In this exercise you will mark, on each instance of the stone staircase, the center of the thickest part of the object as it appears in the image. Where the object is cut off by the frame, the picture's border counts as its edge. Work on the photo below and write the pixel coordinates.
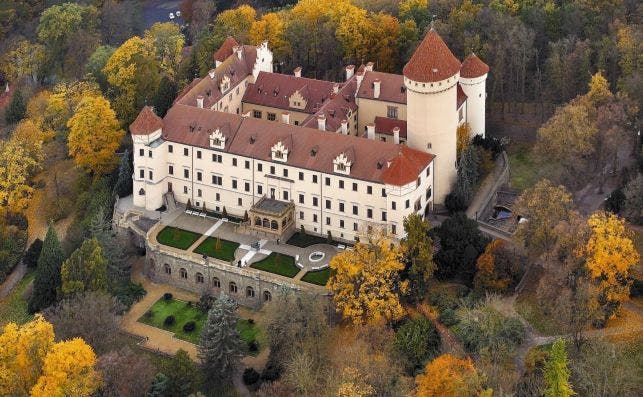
(169, 201)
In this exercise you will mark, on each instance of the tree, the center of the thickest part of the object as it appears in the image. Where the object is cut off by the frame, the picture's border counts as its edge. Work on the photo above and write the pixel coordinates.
(48, 278)
(85, 269)
(168, 41)
(91, 151)
(220, 347)
(182, 375)
(123, 186)
(353, 384)
(610, 253)
(158, 386)
(125, 374)
(449, 376)
(31, 255)
(25, 59)
(418, 341)
(236, 22)
(556, 372)
(464, 137)
(633, 205)
(417, 249)
(271, 28)
(543, 206)
(165, 95)
(416, 10)
(96, 63)
(365, 282)
(90, 315)
(16, 109)
(63, 101)
(497, 268)
(468, 174)
(33, 364)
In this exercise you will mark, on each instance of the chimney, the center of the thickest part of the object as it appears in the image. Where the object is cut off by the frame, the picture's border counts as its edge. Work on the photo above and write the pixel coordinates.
(396, 135)
(239, 50)
(345, 127)
(246, 114)
(335, 88)
(297, 71)
(369, 67)
(217, 63)
(211, 73)
(285, 118)
(360, 77)
(321, 122)
(199, 101)
(376, 88)
(370, 131)
(350, 71)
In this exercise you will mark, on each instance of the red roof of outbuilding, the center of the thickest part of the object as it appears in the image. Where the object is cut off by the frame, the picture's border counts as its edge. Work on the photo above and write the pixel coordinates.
(406, 166)
(146, 122)
(226, 49)
(432, 61)
(473, 67)
(385, 125)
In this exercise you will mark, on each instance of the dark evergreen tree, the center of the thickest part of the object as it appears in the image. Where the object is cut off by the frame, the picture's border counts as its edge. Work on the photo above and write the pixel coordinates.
(468, 174)
(123, 186)
(159, 386)
(118, 269)
(165, 95)
(16, 109)
(220, 347)
(31, 255)
(47, 279)
(418, 341)
(418, 257)
(182, 375)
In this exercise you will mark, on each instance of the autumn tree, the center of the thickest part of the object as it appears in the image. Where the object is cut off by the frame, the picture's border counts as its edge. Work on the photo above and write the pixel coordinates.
(33, 364)
(610, 253)
(271, 28)
(556, 372)
(353, 384)
(497, 269)
(16, 109)
(463, 137)
(417, 249)
(62, 104)
(168, 42)
(125, 373)
(416, 10)
(365, 281)
(24, 59)
(543, 207)
(95, 152)
(236, 22)
(85, 269)
(47, 279)
(449, 376)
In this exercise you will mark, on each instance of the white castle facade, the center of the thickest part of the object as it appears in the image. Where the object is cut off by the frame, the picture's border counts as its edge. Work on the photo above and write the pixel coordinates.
(342, 157)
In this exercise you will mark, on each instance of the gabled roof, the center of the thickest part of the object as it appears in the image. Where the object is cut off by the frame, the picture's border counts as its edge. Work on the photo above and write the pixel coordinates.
(226, 49)
(146, 122)
(473, 67)
(385, 125)
(405, 167)
(461, 96)
(432, 60)
(392, 87)
(336, 109)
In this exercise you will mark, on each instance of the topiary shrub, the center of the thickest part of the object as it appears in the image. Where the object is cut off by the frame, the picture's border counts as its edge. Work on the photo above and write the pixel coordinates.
(169, 320)
(253, 346)
(250, 376)
(149, 314)
(167, 296)
(189, 326)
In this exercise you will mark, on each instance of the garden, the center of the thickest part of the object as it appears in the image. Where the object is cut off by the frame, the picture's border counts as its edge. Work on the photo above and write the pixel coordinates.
(186, 320)
(303, 240)
(177, 238)
(318, 277)
(219, 248)
(283, 265)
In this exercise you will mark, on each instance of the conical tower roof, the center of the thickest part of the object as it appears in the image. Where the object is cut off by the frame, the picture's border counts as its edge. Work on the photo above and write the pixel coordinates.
(146, 122)
(473, 67)
(432, 61)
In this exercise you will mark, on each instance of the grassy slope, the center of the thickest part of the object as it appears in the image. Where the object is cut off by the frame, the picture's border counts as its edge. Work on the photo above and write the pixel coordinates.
(522, 166)
(13, 308)
(286, 266)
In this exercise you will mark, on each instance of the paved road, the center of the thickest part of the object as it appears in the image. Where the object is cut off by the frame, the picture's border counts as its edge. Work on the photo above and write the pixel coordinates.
(159, 11)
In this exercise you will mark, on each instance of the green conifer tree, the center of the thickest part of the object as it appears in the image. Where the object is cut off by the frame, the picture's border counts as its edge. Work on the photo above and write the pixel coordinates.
(16, 109)
(123, 186)
(85, 269)
(556, 373)
(47, 279)
(165, 95)
(159, 386)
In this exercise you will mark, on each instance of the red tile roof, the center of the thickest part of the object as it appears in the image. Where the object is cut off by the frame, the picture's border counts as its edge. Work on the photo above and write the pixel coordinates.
(146, 122)
(274, 90)
(432, 61)
(391, 87)
(337, 108)
(225, 50)
(461, 96)
(385, 125)
(312, 149)
(473, 67)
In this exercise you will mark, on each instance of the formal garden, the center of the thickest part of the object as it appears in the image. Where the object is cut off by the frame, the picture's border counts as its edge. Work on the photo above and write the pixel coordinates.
(283, 265)
(216, 247)
(303, 240)
(186, 321)
(177, 238)
(318, 277)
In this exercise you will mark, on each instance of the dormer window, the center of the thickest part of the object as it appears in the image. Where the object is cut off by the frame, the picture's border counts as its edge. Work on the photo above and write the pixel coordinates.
(279, 152)
(225, 84)
(342, 165)
(217, 139)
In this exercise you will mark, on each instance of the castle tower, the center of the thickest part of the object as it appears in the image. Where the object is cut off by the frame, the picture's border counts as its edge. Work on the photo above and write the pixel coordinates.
(431, 78)
(149, 160)
(473, 77)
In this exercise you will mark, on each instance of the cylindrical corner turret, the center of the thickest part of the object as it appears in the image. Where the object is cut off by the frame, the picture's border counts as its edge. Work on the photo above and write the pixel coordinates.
(473, 78)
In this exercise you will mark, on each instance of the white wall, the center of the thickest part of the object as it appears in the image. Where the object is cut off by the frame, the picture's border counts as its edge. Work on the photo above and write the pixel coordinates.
(477, 96)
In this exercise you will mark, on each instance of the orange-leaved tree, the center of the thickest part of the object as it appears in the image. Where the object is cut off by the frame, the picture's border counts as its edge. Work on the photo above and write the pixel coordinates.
(449, 376)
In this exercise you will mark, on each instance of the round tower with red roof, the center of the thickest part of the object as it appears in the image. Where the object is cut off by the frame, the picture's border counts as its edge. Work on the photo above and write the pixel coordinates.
(473, 79)
(431, 78)
(149, 160)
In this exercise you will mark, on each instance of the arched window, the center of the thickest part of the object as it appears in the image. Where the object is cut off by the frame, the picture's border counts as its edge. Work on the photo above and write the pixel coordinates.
(199, 278)
(267, 296)
(216, 283)
(141, 192)
(274, 225)
(283, 223)
(266, 223)
(183, 273)
(257, 221)
(167, 268)
(233, 287)
(250, 292)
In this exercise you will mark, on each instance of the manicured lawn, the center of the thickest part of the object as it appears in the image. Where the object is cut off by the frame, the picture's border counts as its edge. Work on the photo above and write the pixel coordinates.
(304, 240)
(225, 250)
(13, 308)
(283, 265)
(319, 277)
(177, 238)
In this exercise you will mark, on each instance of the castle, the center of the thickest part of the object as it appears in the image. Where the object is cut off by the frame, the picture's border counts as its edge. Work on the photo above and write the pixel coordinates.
(289, 152)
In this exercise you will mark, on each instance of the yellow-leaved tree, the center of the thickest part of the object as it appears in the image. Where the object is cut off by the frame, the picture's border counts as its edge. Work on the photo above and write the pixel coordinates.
(449, 376)
(365, 281)
(463, 137)
(94, 135)
(32, 364)
(610, 253)
(237, 22)
(271, 28)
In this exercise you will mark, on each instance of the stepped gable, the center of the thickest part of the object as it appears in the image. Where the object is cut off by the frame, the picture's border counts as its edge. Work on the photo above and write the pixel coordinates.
(392, 87)
(225, 50)
(405, 167)
(432, 61)
(146, 122)
(473, 67)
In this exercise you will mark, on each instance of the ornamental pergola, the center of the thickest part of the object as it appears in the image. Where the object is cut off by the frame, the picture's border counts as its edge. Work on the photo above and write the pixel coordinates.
(272, 216)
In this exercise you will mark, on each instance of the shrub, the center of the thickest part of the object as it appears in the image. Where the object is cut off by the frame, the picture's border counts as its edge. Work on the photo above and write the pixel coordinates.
(251, 321)
(17, 219)
(448, 318)
(418, 342)
(167, 296)
(149, 314)
(189, 326)
(250, 376)
(454, 203)
(169, 320)
(129, 293)
(253, 346)
(615, 201)
(205, 302)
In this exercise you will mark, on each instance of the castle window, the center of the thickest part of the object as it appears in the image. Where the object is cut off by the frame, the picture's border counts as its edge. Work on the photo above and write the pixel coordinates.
(341, 223)
(185, 190)
(170, 170)
(170, 149)
(216, 283)
(259, 189)
(199, 278)
(369, 213)
(279, 152)
(369, 189)
(199, 176)
(183, 273)
(341, 207)
(141, 152)
(250, 292)
(383, 216)
(186, 152)
(301, 176)
(341, 184)
(394, 229)
(428, 171)
(354, 186)
(383, 192)
(198, 154)
(141, 174)
(393, 205)
(391, 112)
(186, 173)
(167, 269)
(267, 297)
(247, 165)
(233, 287)
(259, 167)
(272, 116)
(256, 114)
